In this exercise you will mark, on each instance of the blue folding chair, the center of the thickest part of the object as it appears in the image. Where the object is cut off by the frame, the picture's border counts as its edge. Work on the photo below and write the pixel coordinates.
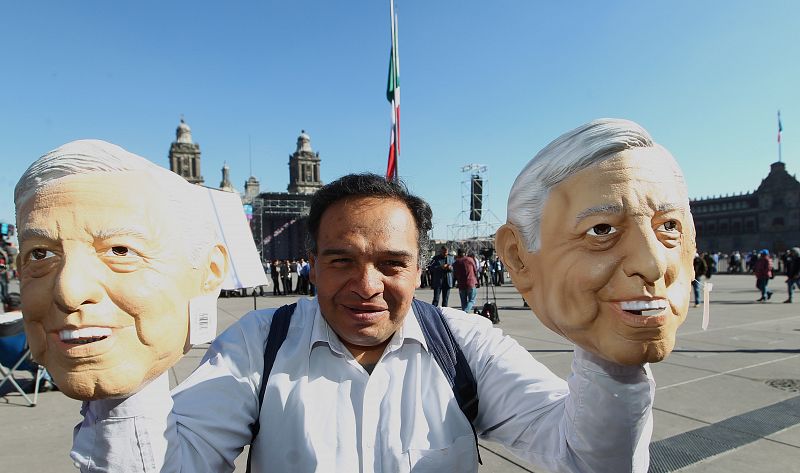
(15, 356)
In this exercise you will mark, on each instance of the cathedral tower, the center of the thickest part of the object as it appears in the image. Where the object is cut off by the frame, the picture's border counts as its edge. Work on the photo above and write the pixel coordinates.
(304, 167)
(184, 155)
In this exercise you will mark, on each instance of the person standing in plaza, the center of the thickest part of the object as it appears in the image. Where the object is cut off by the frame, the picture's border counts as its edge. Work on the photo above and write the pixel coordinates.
(792, 272)
(302, 276)
(763, 272)
(274, 273)
(700, 269)
(466, 274)
(286, 278)
(484, 270)
(441, 271)
(711, 266)
(4, 265)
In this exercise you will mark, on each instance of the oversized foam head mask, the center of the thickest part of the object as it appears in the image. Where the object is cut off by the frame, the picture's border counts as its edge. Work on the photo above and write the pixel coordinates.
(600, 241)
(112, 249)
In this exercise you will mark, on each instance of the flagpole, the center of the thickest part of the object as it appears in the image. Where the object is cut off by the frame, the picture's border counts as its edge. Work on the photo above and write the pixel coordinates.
(780, 129)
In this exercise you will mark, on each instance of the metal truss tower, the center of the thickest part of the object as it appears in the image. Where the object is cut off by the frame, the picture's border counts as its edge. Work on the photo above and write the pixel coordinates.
(476, 233)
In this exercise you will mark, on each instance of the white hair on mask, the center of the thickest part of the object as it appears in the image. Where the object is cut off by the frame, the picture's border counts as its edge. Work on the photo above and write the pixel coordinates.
(186, 203)
(569, 154)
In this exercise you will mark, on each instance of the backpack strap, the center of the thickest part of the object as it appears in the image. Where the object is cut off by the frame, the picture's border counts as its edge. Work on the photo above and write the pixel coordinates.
(278, 329)
(441, 343)
(448, 355)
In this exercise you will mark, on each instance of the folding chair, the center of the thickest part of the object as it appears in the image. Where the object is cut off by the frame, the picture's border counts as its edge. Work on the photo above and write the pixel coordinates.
(16, 356)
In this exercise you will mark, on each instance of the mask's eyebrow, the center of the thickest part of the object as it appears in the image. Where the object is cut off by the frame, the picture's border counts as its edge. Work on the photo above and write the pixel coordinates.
(130, 231)
(42, 233)
(670, 206)
(599, 209)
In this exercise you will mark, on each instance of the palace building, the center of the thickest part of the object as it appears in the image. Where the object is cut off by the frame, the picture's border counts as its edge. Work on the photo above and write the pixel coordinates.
(768, 217)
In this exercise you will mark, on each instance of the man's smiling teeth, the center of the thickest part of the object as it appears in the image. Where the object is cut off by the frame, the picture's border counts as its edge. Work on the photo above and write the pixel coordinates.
(639, 306)
(84, 335)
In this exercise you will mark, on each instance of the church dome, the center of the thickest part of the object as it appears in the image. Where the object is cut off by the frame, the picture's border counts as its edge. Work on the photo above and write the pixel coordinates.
(304, 142)
(183, 133)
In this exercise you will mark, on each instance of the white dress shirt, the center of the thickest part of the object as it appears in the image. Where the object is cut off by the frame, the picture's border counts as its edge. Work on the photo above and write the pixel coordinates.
(323, 412)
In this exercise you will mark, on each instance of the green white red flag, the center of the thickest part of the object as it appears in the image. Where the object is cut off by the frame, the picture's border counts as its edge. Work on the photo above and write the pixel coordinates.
(393, 96)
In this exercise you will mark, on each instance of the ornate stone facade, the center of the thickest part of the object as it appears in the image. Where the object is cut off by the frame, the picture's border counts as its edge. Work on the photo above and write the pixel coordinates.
(767, 218)
(184, 155)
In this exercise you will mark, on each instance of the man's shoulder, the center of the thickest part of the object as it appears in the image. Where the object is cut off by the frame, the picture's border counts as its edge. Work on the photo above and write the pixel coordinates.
(468, 328)
(257, 323)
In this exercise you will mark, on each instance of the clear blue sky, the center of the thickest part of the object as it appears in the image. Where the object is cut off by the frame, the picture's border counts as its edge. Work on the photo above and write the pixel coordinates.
(482, 82)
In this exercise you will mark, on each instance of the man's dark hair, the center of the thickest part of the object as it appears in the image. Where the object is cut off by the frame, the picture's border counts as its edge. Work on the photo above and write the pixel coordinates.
(460, 252)
(369, 185)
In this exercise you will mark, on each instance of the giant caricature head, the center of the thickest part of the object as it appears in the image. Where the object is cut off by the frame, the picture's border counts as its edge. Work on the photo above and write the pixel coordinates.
(600, 241)
(112, 248)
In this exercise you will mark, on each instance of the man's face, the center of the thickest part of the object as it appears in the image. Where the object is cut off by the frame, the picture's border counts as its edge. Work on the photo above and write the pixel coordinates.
(615, 264)
(105, 283)
(366, 268)
(443, 251)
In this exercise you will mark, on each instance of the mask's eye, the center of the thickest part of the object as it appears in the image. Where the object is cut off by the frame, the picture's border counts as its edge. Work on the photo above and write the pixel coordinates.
(669, 226)
(39, 254)
(121, 251)
(601, 229)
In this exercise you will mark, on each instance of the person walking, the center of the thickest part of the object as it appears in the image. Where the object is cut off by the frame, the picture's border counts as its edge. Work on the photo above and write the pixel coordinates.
(763, 272)
(792, 272)
(466, 274)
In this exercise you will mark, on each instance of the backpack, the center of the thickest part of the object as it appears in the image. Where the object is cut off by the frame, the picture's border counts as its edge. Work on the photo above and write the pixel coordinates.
(441, 343)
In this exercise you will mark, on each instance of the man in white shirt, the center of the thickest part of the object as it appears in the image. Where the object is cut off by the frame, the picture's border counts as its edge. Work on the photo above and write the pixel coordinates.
(354, 386)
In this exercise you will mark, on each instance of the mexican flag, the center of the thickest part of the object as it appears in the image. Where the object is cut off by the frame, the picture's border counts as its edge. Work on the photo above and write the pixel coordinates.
(393, 96)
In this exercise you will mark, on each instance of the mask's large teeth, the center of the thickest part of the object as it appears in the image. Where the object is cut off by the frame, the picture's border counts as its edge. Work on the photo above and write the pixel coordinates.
(643, 305)
(86, 332)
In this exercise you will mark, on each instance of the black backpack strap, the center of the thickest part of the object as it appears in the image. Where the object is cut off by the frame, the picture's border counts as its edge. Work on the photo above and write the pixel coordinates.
(448, 355)
(278, 329)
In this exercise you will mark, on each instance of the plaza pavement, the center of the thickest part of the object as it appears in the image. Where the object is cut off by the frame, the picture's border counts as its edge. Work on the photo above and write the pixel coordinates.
(716, 409)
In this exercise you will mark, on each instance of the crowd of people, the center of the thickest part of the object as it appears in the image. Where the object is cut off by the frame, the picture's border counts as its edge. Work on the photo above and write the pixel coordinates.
(461, 269)
(763, 264)
(288, 277)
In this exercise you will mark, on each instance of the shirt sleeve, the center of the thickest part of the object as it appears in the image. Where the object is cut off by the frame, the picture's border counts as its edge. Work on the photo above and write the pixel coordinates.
(202, 427)
(124, 434)
(600, 420)
(217, 404)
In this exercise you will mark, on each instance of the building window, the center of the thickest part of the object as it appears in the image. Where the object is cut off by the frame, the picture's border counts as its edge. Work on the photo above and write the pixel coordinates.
(777, 221)
(750, 226)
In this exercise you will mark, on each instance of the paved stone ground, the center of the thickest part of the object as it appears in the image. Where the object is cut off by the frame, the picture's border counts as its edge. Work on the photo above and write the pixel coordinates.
(716, 408)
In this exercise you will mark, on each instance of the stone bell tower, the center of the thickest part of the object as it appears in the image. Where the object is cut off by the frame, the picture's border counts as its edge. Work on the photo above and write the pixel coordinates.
(304, 167)
(184, 155)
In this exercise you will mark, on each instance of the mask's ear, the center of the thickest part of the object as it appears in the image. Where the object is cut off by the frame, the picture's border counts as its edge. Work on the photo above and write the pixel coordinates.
(216, 269)
(512, 250)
